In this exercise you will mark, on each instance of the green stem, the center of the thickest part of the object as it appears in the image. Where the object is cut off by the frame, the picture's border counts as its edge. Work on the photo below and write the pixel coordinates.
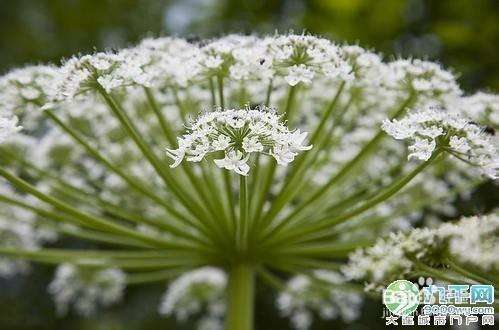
(159, 115)
(287, 115)
(132, 182)
(240, 297)
(243, 211)
(315, 198)
(469, 274)
(269, 93)
(320, 224)
(203, 192)
(220, 81)
(212, 92)
(287, 191)
(333, 249)
(273, 281)
(94, 221)
(155, 276)
(191, 204)
(268, 172)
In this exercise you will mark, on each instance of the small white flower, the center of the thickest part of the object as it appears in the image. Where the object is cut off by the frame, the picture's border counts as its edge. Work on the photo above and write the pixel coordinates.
(299, 74)
(422, 149)
(282, 155)
(296, 141)
(235, 161)
(251, 144)
(222, 143)
(459, 144)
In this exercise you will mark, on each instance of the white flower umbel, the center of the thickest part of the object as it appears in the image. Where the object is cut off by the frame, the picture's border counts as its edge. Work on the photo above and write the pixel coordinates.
(321, 294)
(109, 70)
(474, 241)
(27, 87)
(425, 78)
(238, 134)
(195, 291)
(19, 230)
(469, 241)
(86, 289)
(482, 107)
(301, 58)
(432, 128)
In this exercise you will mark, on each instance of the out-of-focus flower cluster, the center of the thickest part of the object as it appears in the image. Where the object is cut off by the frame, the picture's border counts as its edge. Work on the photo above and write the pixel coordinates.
(471, 241)
(319, 293)
(196, 291)
(85, 289)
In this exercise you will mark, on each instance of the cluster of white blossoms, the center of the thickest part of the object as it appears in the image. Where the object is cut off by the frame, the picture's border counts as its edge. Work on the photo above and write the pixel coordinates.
(85, 289)
(432, 128)
(422, 77)
(238, 134)
(319, 293)
(23, 91)
(26, 232)
(471, 241)
(196, 291)
(482, 107)
(474, 241)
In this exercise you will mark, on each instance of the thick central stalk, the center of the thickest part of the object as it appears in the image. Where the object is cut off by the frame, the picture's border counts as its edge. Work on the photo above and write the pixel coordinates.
(240, 297)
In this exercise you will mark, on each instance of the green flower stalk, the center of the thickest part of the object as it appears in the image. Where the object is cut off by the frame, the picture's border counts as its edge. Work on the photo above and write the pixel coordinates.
(278, 166)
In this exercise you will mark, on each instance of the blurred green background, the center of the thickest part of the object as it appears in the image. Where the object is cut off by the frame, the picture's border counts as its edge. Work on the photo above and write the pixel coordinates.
(461, 34)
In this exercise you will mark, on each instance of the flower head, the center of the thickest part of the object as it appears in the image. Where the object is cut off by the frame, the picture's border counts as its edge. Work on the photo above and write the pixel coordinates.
(28, 86)
(238, 134)
(432, 127)
(320, 293)
(194, 290)
(85, 289)
(470, 241)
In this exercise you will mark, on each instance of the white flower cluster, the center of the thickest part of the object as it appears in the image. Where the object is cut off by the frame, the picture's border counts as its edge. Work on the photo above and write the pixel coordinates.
(300, 58)
(15, 235)
(29, 85)
(238, 134)
(19, 229)
(320, 293)
(195, 291)
(85, 289)
(422, 77)
(174, 62)
(470, 241)
(474, 241)
(482, 107)
(109, 70)
(379, 264)
(463, 138)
